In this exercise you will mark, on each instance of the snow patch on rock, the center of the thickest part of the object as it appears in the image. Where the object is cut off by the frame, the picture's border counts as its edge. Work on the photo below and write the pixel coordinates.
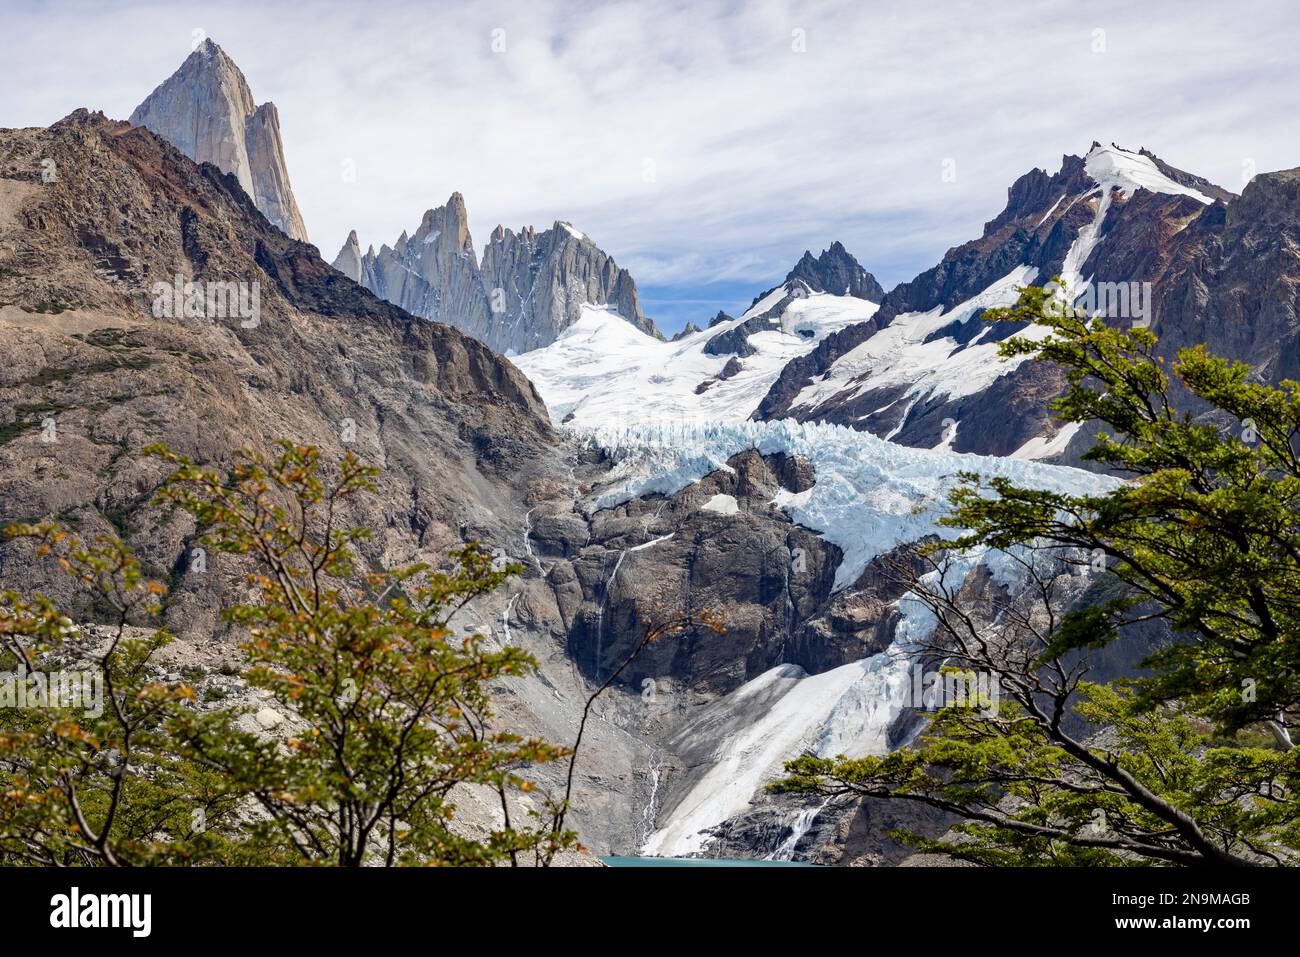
(722, 504)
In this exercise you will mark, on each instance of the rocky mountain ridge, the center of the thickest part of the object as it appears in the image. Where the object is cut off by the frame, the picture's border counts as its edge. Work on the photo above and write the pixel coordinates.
(96, 362)
(528, 287)
(834, 271)
(784, 532)
(1112, 217)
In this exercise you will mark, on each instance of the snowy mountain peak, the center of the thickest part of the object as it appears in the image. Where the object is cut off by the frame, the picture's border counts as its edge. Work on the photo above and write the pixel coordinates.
(837, 272)
(927, 370)
(601, 370)
(834, 271)
(1114, 168)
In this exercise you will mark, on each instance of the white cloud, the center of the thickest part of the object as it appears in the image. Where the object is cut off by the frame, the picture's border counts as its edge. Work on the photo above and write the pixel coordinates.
(757, 151)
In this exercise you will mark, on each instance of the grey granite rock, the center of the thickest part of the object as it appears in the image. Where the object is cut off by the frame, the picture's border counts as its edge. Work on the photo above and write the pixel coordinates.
(528, 288)
(206, 110)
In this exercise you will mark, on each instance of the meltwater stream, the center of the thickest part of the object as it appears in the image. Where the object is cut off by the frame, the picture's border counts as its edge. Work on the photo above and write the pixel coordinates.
(801, 825)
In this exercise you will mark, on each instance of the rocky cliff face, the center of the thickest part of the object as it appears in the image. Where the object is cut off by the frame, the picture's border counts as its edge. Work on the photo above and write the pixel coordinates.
(1232, 279)
(94, 371)
(770, 580)
(206, 110)
(538, 283)
(836, 271)
(529, 287)
(350, 260)
(92, 340)
(433, 274)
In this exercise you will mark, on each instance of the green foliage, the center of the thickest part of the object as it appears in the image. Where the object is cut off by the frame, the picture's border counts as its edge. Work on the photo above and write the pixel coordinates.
(389, 709)
(1029, 798)
(94, 778)
(1203, 535)
(1208, 528)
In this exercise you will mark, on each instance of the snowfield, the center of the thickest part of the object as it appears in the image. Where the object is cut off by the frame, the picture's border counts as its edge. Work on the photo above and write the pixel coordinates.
(1113, 167)
(603, 371)
(899, 354)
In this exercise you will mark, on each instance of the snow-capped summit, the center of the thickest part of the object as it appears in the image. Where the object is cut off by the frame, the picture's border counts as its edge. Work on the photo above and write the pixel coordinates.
(1114, 168)
(834, 271)
(541, 282)
(837, 272)
(206, 110)
(926, 369)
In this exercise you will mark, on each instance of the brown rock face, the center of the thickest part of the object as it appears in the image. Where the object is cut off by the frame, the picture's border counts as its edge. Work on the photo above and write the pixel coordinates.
(100, 364)
(206, 110)
(767, 578)
(90, 376)
(1233, 279)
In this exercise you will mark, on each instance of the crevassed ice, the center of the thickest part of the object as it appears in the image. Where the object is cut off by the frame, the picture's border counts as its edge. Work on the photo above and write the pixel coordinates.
(869, 496)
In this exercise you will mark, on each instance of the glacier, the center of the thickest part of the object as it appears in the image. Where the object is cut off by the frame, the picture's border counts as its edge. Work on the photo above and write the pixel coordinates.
(667, 414)
(848, 711)
(870, 495)
(603, 371)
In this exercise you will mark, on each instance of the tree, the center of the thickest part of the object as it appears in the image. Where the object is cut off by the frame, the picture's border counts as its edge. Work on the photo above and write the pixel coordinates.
(395, 710)
(89, 774)
(390, 711)
(1202, 537)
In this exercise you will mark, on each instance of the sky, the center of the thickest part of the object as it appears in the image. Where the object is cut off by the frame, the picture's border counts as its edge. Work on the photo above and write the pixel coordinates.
(704, 145)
